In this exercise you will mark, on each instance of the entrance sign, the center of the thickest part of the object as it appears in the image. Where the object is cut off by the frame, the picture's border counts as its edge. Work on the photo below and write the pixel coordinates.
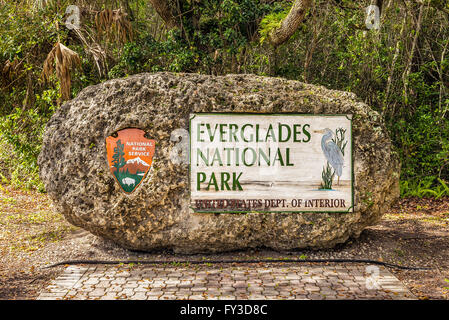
(129, 157)
(271, 163)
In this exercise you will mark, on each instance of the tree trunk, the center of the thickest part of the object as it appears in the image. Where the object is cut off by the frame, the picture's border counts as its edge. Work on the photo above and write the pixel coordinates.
(395, 58)
(167, 12)
(406, 74)
(379, 4)
(127, 8)
(290, 23)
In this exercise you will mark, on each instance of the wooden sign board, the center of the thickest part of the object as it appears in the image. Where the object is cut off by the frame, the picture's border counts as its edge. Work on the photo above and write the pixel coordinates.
(271, 163)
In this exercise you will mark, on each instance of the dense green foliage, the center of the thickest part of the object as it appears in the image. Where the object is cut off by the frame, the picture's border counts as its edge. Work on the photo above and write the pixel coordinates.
(400, 70)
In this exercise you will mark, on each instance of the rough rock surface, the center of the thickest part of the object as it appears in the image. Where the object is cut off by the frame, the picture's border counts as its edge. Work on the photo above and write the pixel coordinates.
(74, 167)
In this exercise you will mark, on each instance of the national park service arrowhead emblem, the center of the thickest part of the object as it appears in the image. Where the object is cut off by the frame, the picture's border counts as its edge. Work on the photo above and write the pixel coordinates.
(130, 155)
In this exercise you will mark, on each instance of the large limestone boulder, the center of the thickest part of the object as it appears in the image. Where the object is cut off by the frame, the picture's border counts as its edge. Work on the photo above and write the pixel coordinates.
(73, 164)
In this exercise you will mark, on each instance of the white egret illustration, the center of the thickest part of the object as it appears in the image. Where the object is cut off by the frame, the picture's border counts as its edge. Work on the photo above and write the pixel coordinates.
(333, 154)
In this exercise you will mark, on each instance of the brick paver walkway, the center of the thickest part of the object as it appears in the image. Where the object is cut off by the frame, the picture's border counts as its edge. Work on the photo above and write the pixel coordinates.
(195, 282)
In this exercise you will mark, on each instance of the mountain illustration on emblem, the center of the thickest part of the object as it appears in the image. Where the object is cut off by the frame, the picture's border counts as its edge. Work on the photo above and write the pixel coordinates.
(134, 166)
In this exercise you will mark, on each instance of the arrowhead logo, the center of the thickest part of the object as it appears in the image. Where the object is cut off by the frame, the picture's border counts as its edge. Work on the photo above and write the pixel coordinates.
(130, 155)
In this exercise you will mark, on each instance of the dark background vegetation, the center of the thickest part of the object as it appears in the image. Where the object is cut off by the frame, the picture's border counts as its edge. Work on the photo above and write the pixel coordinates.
(401, 70)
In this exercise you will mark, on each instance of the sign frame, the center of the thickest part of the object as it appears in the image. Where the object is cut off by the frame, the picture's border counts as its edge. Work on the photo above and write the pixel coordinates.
(244, 211)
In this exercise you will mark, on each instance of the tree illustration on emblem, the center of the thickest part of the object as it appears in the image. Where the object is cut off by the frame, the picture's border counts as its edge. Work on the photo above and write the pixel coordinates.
(118, 160)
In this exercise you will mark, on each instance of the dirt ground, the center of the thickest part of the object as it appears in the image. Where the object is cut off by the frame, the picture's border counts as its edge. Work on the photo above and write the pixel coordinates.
(33, 235)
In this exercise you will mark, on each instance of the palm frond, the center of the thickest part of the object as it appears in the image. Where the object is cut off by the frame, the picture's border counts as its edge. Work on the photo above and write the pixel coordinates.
(62, 60)
(115, 24)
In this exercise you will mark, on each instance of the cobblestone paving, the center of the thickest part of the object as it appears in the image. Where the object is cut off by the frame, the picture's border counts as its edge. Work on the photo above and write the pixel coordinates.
(199, 282)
